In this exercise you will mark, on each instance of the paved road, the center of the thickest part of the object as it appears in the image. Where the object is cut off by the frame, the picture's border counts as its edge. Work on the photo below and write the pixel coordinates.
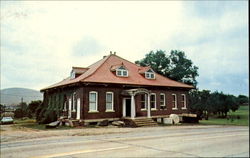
(190, 141)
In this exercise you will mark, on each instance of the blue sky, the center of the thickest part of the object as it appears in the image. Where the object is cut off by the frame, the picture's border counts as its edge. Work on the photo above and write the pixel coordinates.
(41, 41)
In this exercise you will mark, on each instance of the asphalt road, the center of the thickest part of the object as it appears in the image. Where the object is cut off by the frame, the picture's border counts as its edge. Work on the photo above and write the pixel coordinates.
(190, 141)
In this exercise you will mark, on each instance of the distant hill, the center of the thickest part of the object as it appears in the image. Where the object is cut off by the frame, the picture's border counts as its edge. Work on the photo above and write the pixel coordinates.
(12, 96)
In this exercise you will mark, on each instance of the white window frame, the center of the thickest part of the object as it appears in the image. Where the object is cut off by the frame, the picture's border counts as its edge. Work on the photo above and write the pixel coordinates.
(112, 103)
(154, 101)
(145, 101)
(122, 72)
(96, 102)
(184, 101)
(148, 75)
(164, 104)
(175, 102)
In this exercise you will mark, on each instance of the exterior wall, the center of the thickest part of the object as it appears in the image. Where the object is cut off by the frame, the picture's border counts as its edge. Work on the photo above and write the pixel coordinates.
(168, 101)
(82, 92)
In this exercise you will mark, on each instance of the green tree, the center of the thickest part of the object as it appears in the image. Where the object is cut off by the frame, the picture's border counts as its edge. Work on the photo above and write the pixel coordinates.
(242, 99)
(2, 108)
(175, 66)
(32, 107)
(158, 61)
(182, 68)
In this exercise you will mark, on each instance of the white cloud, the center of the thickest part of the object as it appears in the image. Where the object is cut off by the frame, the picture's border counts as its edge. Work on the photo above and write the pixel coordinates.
(40, 38)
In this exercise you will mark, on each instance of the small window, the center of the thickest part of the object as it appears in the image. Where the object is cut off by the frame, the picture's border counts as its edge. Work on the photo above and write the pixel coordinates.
(183, 101)
(174, 102)
(122, 72)
(109, 101)
(150, 74)
(72, 74)
(93, 99)
(153, 101)
(143, 102)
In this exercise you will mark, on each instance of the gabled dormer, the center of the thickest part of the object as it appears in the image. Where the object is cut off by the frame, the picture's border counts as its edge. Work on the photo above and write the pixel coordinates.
(120, 70)
(147, 72)
(150, 74)
(77, 71)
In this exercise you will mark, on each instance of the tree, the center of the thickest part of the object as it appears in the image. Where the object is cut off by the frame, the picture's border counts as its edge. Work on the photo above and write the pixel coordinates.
(2, 108)
(32, 107)
(158, 61)
(182, 69)
(242, 99)
(175, 66)
(22, 111)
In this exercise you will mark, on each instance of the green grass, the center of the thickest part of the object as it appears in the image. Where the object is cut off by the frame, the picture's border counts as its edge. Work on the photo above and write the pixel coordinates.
(243, 118)
(32, 124)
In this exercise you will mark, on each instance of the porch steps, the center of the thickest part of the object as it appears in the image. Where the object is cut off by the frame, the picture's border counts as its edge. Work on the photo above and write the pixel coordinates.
(144, 122)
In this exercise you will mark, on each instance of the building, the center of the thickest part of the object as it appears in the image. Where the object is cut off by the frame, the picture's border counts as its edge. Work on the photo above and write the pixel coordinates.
(114, 88)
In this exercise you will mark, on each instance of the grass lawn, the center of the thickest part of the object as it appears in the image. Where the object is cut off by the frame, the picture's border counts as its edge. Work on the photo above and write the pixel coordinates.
(31, 123)
(243, 118)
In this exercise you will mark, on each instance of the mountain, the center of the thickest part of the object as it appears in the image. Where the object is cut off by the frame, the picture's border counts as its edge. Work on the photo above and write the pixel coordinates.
(13, 96)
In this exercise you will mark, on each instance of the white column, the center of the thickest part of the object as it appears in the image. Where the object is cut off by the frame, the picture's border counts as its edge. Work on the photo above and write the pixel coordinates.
(78, 114)
(132, 106)
(124, 108)
(149, 107)
(69, 116)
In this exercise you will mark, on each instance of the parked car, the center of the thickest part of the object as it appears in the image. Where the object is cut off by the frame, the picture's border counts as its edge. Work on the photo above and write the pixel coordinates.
(7, 120)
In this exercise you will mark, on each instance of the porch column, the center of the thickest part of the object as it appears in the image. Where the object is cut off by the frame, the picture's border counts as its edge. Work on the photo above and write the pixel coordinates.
(132, 106)
(149, 107)
(123, 107)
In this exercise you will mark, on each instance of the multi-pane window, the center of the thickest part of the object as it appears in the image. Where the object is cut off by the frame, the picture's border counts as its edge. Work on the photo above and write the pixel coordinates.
(93, 99)
(162, 101)
(174, 101)
(153, 101)
(109, 101)
(122, 71)
(183, 101)
(143, 102)
(150, 74)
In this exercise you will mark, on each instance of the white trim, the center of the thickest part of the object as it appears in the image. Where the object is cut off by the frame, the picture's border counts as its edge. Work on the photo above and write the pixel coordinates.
(69, 111)
(184, 102)
(112, 102)
(96, 101)
(148, 75)
(164, 104)
(122, 71)
(175, 102)
(154, 102)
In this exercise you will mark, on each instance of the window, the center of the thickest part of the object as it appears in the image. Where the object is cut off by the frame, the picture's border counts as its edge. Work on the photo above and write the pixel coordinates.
(162, 101)
(72, 74)
(122, 72)
(109, 101)
(183, 101)
(174, 102)
(93, 100)
(150, 74)
(153, 101)
(143, 102)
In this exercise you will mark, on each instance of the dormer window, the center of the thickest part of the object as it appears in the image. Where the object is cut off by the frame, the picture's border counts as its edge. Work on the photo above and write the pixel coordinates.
(150, 74)
(122, 71)
(72, 74)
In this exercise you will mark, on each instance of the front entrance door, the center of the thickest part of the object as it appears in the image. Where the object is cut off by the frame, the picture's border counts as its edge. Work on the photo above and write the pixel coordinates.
(128, 107)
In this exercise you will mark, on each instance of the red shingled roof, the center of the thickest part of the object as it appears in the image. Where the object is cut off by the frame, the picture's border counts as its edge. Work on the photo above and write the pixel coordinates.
(100, 72)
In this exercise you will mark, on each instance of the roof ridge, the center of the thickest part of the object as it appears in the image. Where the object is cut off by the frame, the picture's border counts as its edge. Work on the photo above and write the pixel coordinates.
(97, 67)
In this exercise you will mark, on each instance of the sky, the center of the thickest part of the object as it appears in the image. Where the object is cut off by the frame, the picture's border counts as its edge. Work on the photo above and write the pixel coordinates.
(41, 41)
